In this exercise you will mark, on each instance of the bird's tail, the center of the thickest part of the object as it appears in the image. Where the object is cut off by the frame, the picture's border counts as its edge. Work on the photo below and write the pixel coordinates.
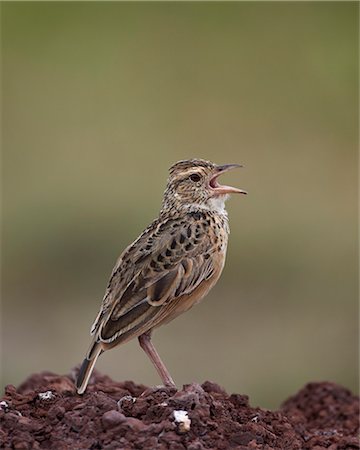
(87, 366)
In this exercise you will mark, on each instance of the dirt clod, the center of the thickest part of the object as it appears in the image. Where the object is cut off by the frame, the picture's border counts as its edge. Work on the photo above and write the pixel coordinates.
(125, 416)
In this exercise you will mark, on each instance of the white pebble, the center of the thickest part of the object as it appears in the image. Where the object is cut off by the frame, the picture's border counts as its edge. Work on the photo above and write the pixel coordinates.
(48, 395)
(182, 418)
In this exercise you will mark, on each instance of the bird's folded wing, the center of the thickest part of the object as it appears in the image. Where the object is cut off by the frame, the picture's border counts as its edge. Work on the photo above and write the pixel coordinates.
(176, 265)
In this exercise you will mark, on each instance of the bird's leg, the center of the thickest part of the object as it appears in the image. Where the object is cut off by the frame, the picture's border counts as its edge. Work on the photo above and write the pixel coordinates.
(150, 350)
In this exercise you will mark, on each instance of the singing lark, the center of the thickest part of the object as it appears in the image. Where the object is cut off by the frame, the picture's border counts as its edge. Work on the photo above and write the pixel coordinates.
(169, 268)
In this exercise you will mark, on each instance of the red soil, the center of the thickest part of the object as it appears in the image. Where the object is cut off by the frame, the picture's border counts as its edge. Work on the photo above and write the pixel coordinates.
(114, 415)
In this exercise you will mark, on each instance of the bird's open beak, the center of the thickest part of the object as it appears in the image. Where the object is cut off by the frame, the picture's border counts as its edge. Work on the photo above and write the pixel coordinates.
(221, 189)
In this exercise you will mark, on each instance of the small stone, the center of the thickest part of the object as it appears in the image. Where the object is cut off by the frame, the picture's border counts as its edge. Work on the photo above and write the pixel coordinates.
(135, 424)
(48, 395)
(10, 390)
(183, 421)
(213, 388)
(240, 400)
(112, 418)
(4, 406)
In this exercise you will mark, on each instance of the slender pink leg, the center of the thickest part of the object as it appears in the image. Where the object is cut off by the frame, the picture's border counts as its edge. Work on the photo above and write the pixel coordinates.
(149, 349)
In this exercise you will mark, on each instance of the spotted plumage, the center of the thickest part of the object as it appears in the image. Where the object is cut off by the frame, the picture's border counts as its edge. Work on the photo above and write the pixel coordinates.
(170, 267)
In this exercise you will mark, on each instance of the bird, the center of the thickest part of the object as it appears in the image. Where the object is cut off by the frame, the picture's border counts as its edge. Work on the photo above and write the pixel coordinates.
(169, 268)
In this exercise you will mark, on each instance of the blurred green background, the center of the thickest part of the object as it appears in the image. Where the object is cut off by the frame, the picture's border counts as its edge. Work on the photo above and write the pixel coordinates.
(100, 98)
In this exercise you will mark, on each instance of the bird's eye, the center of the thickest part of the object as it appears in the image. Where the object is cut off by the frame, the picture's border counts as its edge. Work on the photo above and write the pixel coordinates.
(195, 177)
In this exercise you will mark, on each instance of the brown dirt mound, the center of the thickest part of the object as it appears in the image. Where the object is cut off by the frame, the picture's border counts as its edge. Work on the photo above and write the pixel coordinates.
(46, 413)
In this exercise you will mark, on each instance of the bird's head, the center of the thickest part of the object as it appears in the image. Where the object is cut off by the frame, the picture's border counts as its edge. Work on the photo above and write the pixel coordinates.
(194, 183)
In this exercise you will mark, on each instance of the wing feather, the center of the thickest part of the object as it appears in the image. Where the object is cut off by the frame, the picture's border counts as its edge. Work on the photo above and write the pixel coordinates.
(139, 294)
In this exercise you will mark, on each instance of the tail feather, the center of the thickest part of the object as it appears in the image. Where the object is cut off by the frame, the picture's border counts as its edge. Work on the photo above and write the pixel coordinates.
(87, 367)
